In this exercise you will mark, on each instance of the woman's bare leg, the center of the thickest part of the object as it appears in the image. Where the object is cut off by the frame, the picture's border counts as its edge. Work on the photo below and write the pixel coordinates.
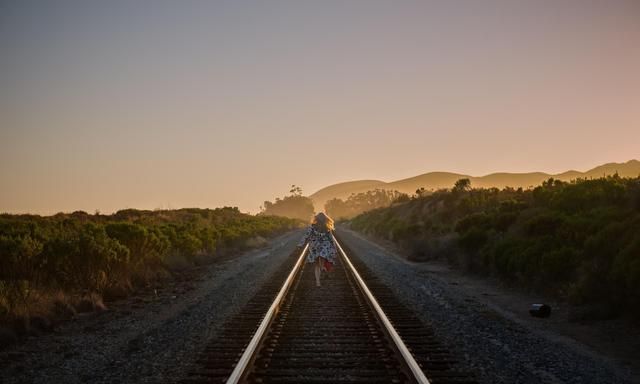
(318, 271)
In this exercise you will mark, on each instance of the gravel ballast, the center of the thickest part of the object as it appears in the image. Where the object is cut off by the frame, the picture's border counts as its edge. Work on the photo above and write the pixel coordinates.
(493, 347)
(149, 338)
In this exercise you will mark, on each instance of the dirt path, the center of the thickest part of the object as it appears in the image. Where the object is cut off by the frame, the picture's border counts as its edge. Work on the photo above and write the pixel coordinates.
(490, 326)
(152, 337)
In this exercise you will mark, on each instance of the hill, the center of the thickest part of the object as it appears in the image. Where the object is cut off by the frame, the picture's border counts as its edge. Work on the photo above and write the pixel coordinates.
(437, 180)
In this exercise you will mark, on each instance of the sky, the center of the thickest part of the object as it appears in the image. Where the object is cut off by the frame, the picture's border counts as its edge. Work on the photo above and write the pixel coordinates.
(106, 105)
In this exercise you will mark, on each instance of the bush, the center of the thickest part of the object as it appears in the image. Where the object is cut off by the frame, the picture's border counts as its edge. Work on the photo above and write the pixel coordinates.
(577, 240)
(86, 254)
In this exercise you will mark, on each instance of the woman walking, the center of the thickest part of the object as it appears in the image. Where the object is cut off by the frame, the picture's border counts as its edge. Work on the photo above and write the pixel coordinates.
(322, 249)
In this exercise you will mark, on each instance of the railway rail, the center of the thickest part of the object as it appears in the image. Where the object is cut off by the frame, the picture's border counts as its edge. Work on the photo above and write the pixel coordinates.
(352, 329)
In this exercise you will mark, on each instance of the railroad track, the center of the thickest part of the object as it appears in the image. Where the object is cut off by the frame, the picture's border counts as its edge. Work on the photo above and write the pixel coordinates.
(352, 329)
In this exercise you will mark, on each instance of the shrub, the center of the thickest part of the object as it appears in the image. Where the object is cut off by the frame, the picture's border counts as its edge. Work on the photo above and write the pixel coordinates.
(579, 240)
(86, 254)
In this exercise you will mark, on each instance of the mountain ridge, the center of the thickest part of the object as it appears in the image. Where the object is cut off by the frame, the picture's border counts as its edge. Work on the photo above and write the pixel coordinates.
(441, 179)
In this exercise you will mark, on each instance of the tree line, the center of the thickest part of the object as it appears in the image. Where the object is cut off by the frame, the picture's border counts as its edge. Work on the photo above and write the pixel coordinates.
(80, 252)
(362, 202)
(294, 205)
(577, 240)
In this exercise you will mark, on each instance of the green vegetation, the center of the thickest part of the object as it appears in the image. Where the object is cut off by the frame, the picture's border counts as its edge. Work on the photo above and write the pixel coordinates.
(294, 206)
(437, 180)
(68, 254)
(578, 240)
(359, 203)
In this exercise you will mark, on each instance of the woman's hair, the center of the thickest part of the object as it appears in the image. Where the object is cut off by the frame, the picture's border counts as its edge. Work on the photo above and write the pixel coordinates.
(322, 222)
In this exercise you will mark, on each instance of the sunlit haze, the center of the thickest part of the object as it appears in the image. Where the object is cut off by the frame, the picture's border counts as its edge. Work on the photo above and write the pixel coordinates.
(106, 105)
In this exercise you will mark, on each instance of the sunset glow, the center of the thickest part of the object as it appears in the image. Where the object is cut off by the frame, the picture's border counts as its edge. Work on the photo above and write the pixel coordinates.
(106, 105)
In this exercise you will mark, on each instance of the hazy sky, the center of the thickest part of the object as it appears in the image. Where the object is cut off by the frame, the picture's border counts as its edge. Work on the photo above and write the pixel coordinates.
(151, 104)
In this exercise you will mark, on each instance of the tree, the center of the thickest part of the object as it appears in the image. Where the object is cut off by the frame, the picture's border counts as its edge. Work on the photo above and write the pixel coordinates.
(295, 190)
(462, 185)
(294, 206)
(362, 202)
(338, 209)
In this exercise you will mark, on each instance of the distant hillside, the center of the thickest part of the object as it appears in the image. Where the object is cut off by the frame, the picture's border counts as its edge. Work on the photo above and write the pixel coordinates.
(436, 180)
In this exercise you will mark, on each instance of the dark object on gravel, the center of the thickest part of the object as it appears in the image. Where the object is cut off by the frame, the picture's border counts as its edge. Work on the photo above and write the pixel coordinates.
(540, 310)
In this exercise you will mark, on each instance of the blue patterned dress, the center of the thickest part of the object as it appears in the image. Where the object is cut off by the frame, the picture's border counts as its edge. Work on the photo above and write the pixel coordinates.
(320, 245)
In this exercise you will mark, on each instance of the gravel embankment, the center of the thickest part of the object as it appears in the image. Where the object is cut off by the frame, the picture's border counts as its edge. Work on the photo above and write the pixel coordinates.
(492, 346)
(149, 338)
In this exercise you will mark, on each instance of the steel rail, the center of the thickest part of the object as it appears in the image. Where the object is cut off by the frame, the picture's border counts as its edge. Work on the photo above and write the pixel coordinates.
(248, 355)
(418, 375)
(253, 345)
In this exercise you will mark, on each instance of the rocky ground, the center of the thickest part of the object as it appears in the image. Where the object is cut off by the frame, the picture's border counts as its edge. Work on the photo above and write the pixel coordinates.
(489, 328)
(152, 337)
